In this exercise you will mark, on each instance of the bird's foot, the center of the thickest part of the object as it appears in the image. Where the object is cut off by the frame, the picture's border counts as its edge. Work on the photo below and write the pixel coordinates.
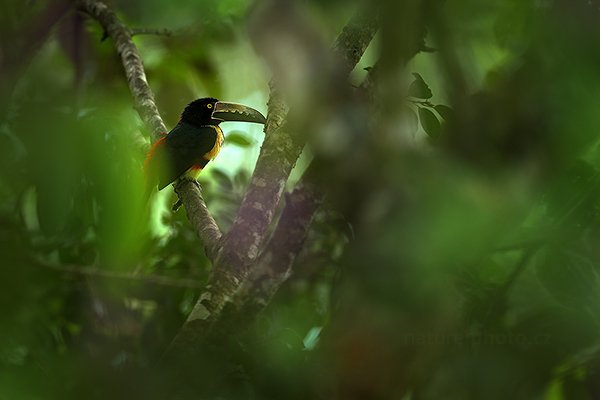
(177, 205)
(180, 181)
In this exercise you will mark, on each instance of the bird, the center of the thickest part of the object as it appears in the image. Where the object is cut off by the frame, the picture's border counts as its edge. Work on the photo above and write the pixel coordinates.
(194, 141)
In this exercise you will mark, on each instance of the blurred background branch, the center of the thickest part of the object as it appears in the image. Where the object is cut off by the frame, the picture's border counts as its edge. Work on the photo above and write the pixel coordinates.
(15, 55)
(275, 264)
(106, 273)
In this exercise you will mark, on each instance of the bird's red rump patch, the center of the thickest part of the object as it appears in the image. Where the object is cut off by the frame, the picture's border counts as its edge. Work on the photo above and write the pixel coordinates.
(160, 142)
(199, 165)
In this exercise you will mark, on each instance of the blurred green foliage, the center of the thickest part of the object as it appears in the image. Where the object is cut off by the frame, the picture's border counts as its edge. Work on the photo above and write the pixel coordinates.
(456, 255)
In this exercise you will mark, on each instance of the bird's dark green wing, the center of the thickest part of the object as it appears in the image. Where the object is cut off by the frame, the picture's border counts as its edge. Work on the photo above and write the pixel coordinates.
(185, 147)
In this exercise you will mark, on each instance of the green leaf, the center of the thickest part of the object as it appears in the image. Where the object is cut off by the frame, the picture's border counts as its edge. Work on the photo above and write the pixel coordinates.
(238, 139)
(445, 111)
(241, 179)
(222, 179)
(571, 278)
(419, 88)
(429, 122)
(554, 390)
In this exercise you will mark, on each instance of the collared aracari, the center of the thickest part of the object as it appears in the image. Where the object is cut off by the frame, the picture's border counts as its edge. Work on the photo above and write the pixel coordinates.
(194, 141)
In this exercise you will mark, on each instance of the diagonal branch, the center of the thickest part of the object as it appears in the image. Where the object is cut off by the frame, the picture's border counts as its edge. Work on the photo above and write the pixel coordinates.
(198, 214)
(202, 221)
(275, 263)
(355, 37)
(280, 150)
(132, 63)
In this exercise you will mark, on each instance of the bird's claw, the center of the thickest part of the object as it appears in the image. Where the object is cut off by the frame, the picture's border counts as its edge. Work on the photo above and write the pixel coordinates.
(177, 184)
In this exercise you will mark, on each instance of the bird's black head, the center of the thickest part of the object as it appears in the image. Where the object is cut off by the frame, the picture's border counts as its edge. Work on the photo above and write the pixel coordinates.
(210, 111)
(199, 112)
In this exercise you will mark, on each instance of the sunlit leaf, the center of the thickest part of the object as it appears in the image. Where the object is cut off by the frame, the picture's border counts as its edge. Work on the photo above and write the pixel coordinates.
(312, 337)
(222, 179)
(241, 179)
(238, 139)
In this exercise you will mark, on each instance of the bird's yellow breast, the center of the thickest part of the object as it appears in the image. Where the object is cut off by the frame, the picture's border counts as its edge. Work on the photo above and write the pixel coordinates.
(195, 170)
(218, 144)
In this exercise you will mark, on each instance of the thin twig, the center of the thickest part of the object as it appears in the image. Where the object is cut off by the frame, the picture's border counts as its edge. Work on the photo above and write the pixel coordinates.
(151, 31)
(502, 292)
(526, 244)
(146, 279)
(532, 247)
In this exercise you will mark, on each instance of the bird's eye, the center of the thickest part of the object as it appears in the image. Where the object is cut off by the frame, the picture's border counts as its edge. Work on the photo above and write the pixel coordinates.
(209, 105)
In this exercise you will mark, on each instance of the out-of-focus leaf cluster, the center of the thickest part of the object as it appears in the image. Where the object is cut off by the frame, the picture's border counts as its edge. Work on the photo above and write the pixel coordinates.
(90, 270)
(455, 255)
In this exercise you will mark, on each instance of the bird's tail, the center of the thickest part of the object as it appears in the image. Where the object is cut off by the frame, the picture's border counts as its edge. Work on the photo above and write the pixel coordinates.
(152, 166)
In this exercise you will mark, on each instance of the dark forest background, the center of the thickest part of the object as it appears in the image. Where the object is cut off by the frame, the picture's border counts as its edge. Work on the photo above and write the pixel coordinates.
(455, 250)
